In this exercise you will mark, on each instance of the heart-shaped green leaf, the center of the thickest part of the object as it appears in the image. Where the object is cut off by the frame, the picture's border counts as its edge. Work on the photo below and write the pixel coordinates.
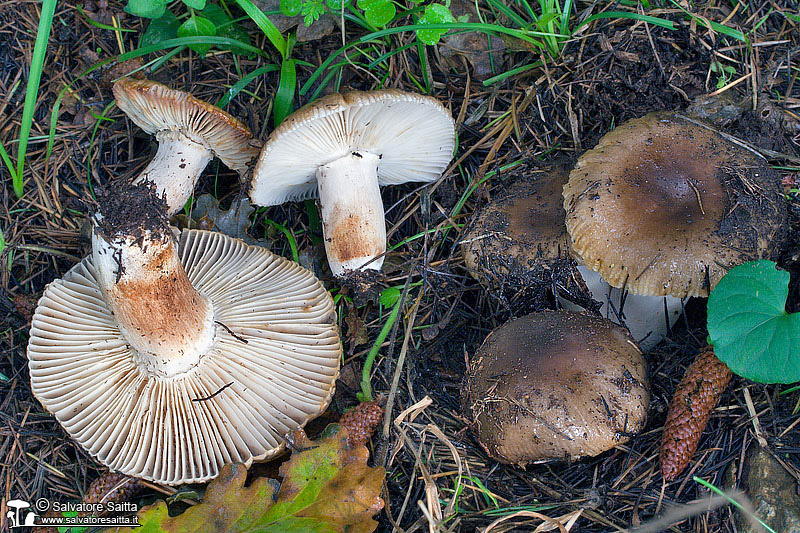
(377, 12)
(197, 26)
(160, 29)
(291, 8)
(226, 27)
(195, 4)
(151, 9)
(434, 14)
(749, 327)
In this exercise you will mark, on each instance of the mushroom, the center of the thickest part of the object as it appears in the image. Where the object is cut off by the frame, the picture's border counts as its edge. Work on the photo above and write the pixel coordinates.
(518, 246)
(342, 148)
(554, 385)
(190, 132)
(167, 359)
(665, 206)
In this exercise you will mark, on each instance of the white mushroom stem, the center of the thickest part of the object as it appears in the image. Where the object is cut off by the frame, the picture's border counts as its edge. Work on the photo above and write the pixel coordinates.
(648, 318)
(352, 213)
(176, 167)
(167, 322)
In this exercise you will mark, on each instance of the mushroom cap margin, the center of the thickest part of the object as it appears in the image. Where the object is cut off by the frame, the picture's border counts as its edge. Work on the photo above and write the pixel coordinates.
(338, 124)
(166, 430)
(155, 107)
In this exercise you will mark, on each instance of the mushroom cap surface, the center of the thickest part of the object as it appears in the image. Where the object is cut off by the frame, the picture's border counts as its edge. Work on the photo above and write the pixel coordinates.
(665, 206)
(272, 366)
(520, 232)
(555, 384)
(413, 134)
(155, 107)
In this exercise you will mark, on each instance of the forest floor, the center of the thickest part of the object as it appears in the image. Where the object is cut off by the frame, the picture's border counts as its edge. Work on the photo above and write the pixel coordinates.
(520, 109)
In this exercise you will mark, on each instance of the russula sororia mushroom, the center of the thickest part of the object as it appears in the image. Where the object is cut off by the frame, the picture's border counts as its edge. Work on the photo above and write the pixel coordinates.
(518, 246)
(555, 384)
(190, 132)
(167, 359)
(665, 206)
(342, 148)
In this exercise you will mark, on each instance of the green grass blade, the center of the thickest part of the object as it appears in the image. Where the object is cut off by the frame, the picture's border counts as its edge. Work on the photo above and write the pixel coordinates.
(284, 97)
(32, 92)
(366, 389)
(715, 26)
(512, 72)
(736, 504)
(7, 160)
(289, 237)
(491, 29)
(266, 26)
(655, 21)
(237, 87)
(100, 25)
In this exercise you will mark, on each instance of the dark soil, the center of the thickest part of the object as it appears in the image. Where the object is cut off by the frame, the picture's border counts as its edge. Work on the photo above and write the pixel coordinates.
(130, 210)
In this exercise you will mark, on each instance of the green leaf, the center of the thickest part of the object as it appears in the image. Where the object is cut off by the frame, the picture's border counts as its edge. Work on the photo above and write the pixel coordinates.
(291, 8)
(377, 12)
(195, 4)
(197, 26)
(151, 9)
(327, 488)
(160, 29)
(389, 296)
(434, 14)
(226, 27)
(749, 327)
(311, 11)
(336, 5)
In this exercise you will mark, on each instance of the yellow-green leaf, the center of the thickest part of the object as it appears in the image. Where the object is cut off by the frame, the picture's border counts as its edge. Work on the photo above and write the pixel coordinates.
(327, 488)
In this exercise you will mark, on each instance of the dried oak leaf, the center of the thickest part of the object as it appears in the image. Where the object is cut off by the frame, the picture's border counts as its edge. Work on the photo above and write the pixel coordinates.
(327, 488)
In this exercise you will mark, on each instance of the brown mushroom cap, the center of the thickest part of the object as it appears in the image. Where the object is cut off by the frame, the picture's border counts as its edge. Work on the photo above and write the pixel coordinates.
(519, 231)
(665, 206)
(556, 384)
(155, 107)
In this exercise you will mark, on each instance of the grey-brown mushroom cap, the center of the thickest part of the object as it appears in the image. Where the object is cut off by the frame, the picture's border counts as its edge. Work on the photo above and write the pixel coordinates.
(556, 384)
(519, 233)
(155, 107)
(665, 206)
(272, 366)
(413, 134)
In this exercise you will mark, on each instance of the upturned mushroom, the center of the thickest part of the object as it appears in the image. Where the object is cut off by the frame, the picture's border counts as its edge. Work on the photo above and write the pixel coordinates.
(190, 132)
(167, 359)
(665, 206)
(518, 247)
(555, 385)
(341, 149)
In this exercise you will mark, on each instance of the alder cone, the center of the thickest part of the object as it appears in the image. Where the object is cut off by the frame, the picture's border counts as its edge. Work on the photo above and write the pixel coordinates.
(361, 422)
(112, 487)
(694, 400)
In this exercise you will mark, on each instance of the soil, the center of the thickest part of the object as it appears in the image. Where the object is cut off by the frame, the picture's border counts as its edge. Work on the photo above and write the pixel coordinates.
(130, 210)
(613, 70)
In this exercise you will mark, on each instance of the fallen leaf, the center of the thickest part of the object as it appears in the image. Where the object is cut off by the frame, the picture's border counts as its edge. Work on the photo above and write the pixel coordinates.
(356, 328)
(327, 488)
(482, 51)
